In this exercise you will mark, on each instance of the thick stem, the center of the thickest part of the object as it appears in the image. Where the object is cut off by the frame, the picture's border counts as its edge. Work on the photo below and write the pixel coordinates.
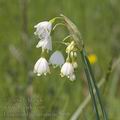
(82, 106)
(92, 81)
(96, 88)
(90, 86)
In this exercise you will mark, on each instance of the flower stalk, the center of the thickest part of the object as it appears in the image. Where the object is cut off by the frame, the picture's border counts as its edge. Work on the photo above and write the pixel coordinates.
(89, 74)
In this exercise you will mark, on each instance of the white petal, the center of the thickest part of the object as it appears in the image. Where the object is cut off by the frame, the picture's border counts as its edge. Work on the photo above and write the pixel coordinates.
(44, 24)
(41, 66)
(56, 59)
(36, 66)
(45, 43)
(40, 43)
(72, 77)
(43, 29)
(42, 33)
(67, 69)
(70, 69)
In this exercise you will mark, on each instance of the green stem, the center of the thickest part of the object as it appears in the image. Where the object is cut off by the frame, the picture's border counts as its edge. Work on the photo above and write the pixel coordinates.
(54, 19)
(58, 24)
(93, 82)
(96, 88)
(90, 85)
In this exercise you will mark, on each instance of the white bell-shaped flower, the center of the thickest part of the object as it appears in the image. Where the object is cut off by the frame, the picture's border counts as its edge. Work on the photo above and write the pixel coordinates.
(41, 67)
(67, 69)
(45, 43)
(43, 29)
(57, 59)
(72, 77)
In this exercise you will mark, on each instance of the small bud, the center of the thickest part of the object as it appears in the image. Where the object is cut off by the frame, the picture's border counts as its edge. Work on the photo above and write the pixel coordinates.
(70, 47)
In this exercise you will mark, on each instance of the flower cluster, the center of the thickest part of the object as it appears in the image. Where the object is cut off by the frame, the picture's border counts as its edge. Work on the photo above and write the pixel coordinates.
(43, 32)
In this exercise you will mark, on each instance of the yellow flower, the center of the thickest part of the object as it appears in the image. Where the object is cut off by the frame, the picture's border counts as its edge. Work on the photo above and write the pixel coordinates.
(92, 58)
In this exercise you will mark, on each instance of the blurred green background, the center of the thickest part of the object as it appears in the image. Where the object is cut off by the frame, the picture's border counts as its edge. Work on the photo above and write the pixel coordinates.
(53, 97)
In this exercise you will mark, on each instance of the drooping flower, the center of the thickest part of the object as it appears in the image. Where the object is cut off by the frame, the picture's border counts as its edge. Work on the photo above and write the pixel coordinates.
(72, 77)
(56, 59)
(45, 43)
(43, 32)
(67, 69)
(41, 67)
(43, 29)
